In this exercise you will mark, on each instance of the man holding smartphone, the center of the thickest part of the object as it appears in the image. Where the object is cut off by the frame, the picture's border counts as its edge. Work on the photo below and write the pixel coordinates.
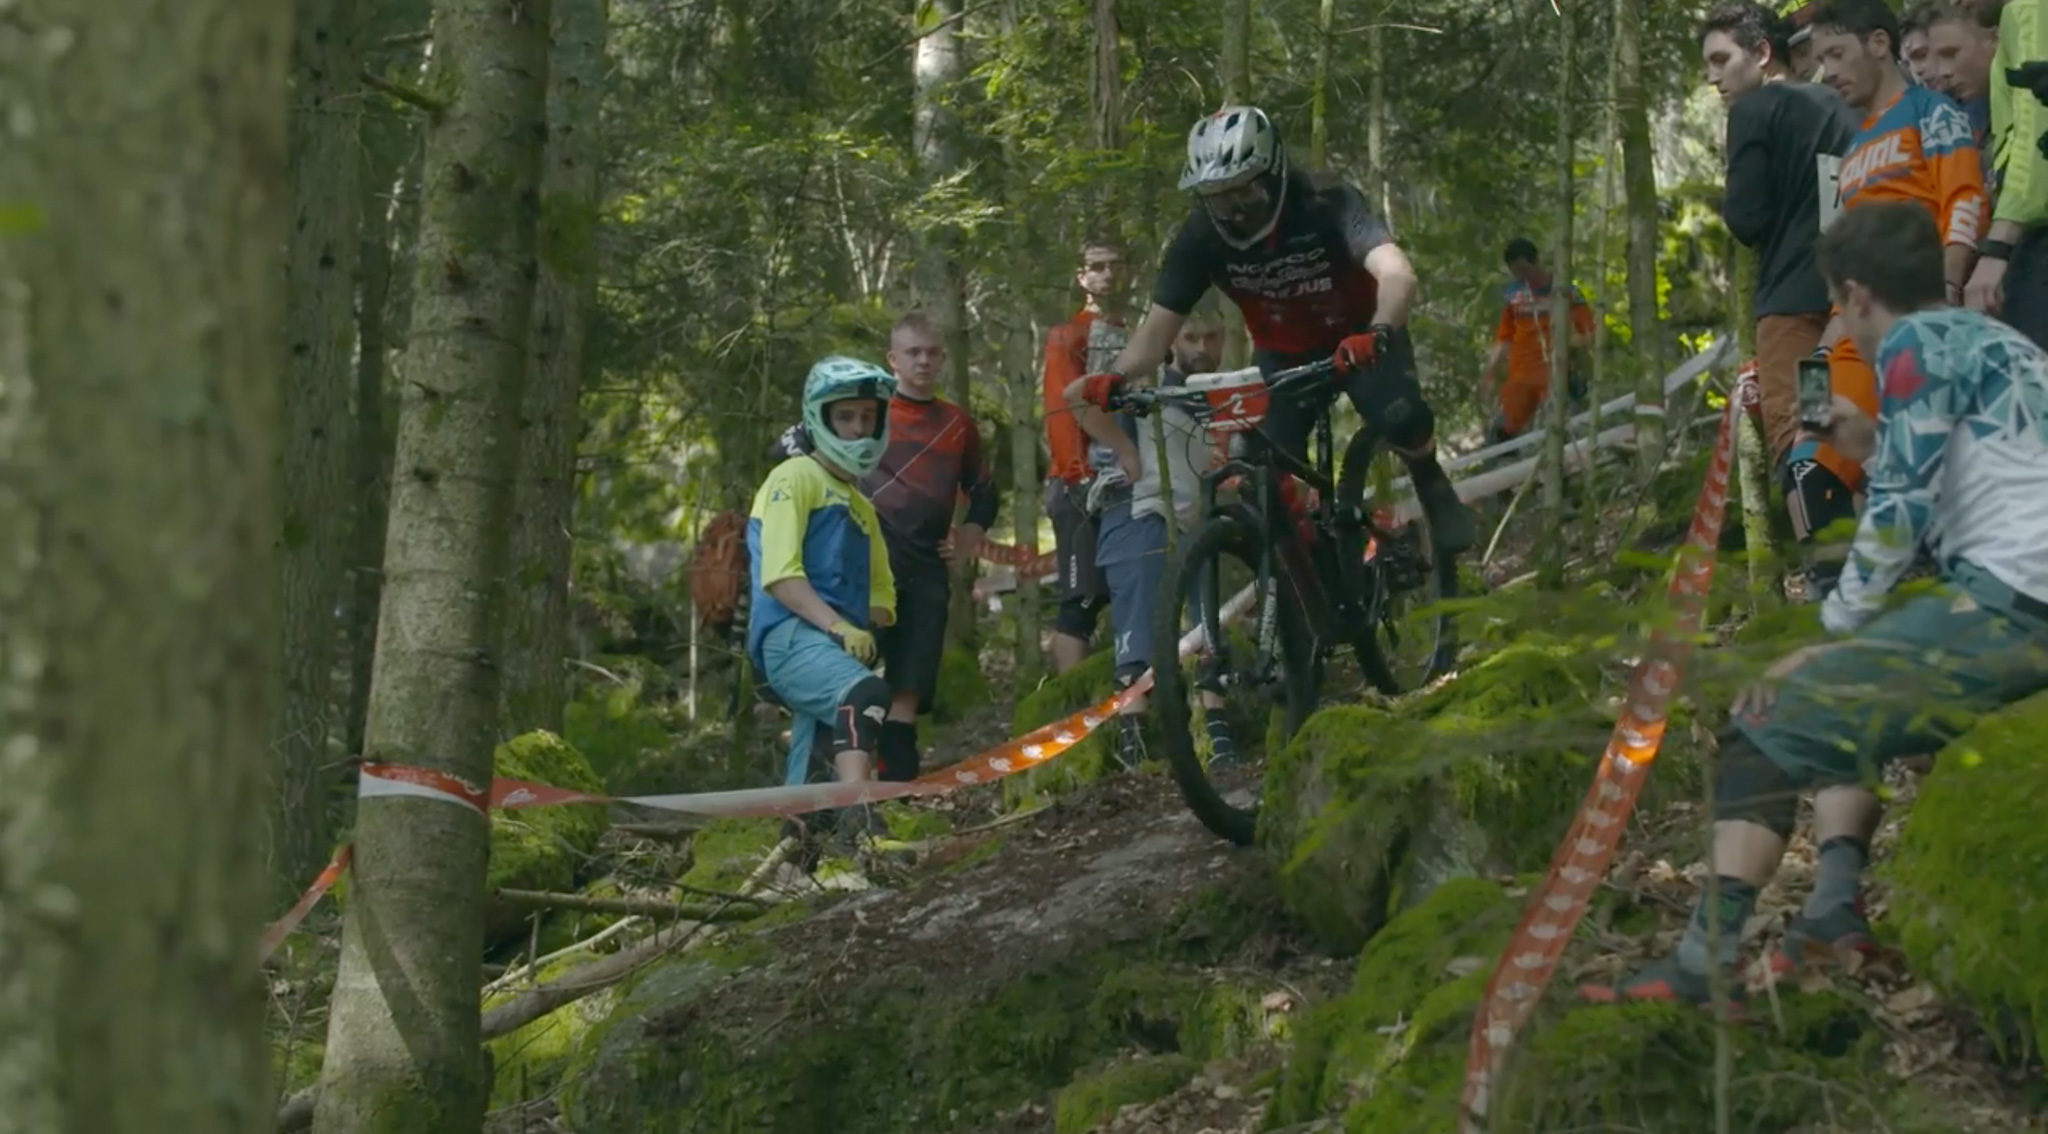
(1957, 454)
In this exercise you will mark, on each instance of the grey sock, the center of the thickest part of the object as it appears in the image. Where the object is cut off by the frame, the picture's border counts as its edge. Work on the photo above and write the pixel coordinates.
(1837, 875)
(1696, 951)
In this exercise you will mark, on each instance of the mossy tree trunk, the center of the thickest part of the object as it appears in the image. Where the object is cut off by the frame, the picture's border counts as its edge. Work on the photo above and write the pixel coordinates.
(1551, 566)
(1752, 452)
(1639, 188)
(537, 609)
(938, 65)
(403, 1045)
(1235, 67)
(389, 134)
(145, 201)
(1025, 487)
(320, 284)
(1319, 87)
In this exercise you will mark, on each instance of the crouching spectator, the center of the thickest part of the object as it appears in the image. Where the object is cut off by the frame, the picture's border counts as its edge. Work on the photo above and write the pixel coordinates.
(1134, 512)
(821, 579)
(1957, 456)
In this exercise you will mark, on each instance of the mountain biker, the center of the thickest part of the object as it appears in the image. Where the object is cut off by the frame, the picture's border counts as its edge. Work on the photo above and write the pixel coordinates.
(821, 578)
(1316, 275)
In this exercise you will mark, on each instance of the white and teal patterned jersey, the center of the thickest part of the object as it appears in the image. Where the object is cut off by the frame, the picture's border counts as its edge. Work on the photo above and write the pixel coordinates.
(1961, 461)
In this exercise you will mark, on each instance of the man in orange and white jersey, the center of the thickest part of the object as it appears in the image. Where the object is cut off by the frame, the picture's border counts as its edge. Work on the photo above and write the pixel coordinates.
(1915, 145)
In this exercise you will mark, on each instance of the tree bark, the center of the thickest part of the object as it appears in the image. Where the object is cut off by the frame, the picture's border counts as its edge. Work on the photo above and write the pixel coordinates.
(320, 282)
(1236, 70)
(1752, 452)
(1025, 486)
(403, 1051)
(1555, 413)
(938, 65)
(389, 135)
(1106, 80)
(145, 201)
(537, 610)
(1376, 124)
(1639, 183)
(1319, 91)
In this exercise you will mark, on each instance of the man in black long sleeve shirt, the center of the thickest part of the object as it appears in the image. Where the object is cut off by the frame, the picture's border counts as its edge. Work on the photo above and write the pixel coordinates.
(1781, 133)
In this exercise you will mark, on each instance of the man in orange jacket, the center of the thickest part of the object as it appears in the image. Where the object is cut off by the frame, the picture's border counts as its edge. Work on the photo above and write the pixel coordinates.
(1083, 345)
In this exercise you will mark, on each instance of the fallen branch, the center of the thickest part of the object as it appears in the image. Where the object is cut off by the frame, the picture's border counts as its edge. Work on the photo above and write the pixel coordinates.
(646, 907)
(516, 1013)
(417, 99)
(514, 975)
(665, 832)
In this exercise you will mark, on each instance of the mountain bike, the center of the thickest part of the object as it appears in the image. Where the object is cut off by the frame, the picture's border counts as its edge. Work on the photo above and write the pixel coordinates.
(1339, 574)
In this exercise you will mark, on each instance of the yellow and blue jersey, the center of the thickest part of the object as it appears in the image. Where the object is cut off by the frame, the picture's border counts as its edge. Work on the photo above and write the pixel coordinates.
(808, 524)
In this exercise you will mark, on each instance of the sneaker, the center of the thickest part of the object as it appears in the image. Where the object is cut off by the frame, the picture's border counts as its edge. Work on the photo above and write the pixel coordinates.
(1665, 980)
(1451, 524)
(1832, 936)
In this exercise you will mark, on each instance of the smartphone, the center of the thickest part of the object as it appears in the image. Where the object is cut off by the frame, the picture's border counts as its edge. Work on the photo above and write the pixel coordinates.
(1816, 394)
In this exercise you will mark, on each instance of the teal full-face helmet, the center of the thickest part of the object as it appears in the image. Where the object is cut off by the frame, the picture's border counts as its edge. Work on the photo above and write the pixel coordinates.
(837, 378)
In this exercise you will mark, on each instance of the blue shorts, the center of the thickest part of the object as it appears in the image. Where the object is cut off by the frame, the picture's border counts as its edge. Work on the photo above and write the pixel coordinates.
(812, 675)
(1132, 554)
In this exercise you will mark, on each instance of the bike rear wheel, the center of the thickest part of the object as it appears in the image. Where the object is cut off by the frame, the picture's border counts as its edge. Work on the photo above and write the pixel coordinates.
(1260, 693)
(1405, 636)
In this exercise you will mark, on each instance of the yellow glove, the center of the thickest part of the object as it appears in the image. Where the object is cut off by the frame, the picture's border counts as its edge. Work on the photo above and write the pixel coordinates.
(855, 641)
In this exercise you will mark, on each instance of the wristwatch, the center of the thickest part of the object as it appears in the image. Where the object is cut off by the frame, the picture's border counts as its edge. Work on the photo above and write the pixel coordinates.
(1994, 250)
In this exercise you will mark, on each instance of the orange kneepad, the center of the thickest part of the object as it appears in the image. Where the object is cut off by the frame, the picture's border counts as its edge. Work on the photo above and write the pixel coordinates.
(1852, 378)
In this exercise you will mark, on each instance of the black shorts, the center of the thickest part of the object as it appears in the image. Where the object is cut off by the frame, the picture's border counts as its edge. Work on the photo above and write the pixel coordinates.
(913, 646)
(1084, 590)
(1386, 395)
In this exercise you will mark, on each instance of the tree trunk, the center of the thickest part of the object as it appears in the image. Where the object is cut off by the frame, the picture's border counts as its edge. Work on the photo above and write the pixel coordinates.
(145, 192)
(1376, 125)
(1319, 91)
(1752, 452)
(389, 138)
(402, 1048)
(938, 65)
(1555, 413)
(320, 283)
(537, 610)
(1025, 486)
(1236, 68)
(1106, 80)
(1639, 182)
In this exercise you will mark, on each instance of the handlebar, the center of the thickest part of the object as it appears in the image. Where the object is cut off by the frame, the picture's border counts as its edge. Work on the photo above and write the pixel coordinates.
(1294, 382)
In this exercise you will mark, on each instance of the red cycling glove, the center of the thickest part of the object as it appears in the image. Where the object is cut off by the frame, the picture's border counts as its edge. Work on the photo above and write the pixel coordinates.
(1358, 352)
(1098, 389)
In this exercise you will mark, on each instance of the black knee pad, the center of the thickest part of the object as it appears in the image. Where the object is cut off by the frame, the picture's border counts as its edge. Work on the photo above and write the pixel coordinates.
(1078, 615)
(1816, 498)
(1750, 786)
(857, 725)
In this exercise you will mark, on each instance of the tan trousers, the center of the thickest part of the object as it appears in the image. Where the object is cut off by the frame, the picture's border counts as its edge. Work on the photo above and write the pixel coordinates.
(1781, 341)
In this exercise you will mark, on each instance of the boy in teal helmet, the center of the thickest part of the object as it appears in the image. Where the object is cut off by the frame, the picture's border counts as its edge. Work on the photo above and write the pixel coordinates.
(821, 580)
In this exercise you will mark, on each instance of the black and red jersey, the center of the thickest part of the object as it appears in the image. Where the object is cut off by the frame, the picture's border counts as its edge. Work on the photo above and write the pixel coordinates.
(1304, 287)
(934, 457)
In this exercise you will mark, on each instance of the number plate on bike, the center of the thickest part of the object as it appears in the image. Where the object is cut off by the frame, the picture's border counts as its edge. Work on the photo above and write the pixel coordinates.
(1236, 400)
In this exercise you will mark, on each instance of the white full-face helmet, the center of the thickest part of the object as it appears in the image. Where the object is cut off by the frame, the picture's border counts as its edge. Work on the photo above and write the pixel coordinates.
(1237, 168)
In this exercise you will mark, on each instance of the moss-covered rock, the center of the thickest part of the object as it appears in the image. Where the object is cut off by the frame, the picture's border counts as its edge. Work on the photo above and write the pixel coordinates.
(1090, 1099)
(726, 851)
(962, 686)
(1389, 1057)
(893, 1049)
(1417, 984)
(1970, 876)
(540, 848)
(1369, 809)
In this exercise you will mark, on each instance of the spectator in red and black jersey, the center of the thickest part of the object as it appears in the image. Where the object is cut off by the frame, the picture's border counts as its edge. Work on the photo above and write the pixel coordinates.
(1088, 342)
(1317, 275)
(934, 455)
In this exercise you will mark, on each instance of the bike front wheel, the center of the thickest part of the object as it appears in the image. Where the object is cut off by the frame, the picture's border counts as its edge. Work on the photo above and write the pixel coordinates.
(1405, 634)
(1249, 680)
